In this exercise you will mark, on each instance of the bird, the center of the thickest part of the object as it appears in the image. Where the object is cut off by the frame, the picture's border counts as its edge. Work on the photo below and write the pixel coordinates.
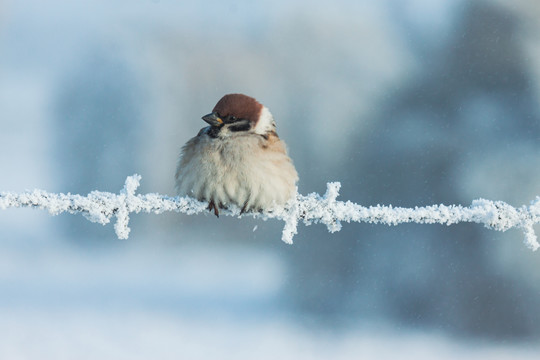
(238, 159)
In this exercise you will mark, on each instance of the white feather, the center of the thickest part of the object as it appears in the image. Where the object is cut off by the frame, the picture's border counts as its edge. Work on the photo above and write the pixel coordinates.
(266, 122)
(242, 168)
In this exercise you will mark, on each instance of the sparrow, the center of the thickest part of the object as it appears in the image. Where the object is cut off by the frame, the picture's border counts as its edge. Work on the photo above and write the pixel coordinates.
(239, 159)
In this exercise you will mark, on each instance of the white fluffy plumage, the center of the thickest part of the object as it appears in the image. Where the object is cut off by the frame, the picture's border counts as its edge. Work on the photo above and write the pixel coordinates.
(238, 160)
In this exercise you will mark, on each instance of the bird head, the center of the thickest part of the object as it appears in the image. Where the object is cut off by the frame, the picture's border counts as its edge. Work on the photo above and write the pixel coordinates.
(238, 113)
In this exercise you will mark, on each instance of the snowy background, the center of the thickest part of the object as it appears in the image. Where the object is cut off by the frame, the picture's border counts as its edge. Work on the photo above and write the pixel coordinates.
(405, 102)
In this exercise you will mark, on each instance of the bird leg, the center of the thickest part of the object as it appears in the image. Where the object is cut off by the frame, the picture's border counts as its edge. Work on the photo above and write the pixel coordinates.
(212, 206)
(244, 208)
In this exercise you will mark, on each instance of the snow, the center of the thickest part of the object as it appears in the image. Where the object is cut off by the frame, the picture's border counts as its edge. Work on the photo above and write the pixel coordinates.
(100, 207)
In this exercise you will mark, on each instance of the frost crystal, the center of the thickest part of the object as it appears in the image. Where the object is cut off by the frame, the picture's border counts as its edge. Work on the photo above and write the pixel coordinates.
(100, 207)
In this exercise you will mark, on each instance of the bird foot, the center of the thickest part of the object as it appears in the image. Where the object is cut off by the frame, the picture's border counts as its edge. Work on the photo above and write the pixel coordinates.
(212, 206)
(244, 208)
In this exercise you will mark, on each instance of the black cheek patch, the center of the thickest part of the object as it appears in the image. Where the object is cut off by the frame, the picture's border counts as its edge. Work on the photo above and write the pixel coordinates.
(241, 126)
(214, 131)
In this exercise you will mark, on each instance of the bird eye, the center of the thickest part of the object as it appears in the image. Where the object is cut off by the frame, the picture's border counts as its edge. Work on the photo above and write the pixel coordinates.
(232, 119)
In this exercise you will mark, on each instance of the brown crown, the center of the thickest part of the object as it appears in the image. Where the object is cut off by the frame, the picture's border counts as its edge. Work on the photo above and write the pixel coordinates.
(240, 106)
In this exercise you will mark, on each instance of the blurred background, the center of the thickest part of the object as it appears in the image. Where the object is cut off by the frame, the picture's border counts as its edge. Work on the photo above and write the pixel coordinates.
(405, 102)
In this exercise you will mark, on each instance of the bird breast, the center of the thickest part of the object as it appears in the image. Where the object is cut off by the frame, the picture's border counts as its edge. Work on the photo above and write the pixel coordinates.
(249, 170)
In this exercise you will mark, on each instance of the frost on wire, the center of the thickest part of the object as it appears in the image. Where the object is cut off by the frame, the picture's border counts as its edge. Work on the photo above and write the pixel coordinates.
(101, 207)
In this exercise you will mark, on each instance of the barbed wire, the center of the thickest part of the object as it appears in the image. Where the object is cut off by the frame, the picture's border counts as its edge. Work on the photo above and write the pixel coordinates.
(101, 207)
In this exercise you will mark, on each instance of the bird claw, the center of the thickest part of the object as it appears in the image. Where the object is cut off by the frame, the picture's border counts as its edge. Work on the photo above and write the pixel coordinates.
(244, 208)
(212, 206)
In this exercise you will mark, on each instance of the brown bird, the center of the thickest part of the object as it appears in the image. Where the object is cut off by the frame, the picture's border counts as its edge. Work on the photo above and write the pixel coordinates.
(239, 159)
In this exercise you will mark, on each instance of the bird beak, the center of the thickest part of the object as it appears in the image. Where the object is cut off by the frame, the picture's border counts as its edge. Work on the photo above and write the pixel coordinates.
(213, 119)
